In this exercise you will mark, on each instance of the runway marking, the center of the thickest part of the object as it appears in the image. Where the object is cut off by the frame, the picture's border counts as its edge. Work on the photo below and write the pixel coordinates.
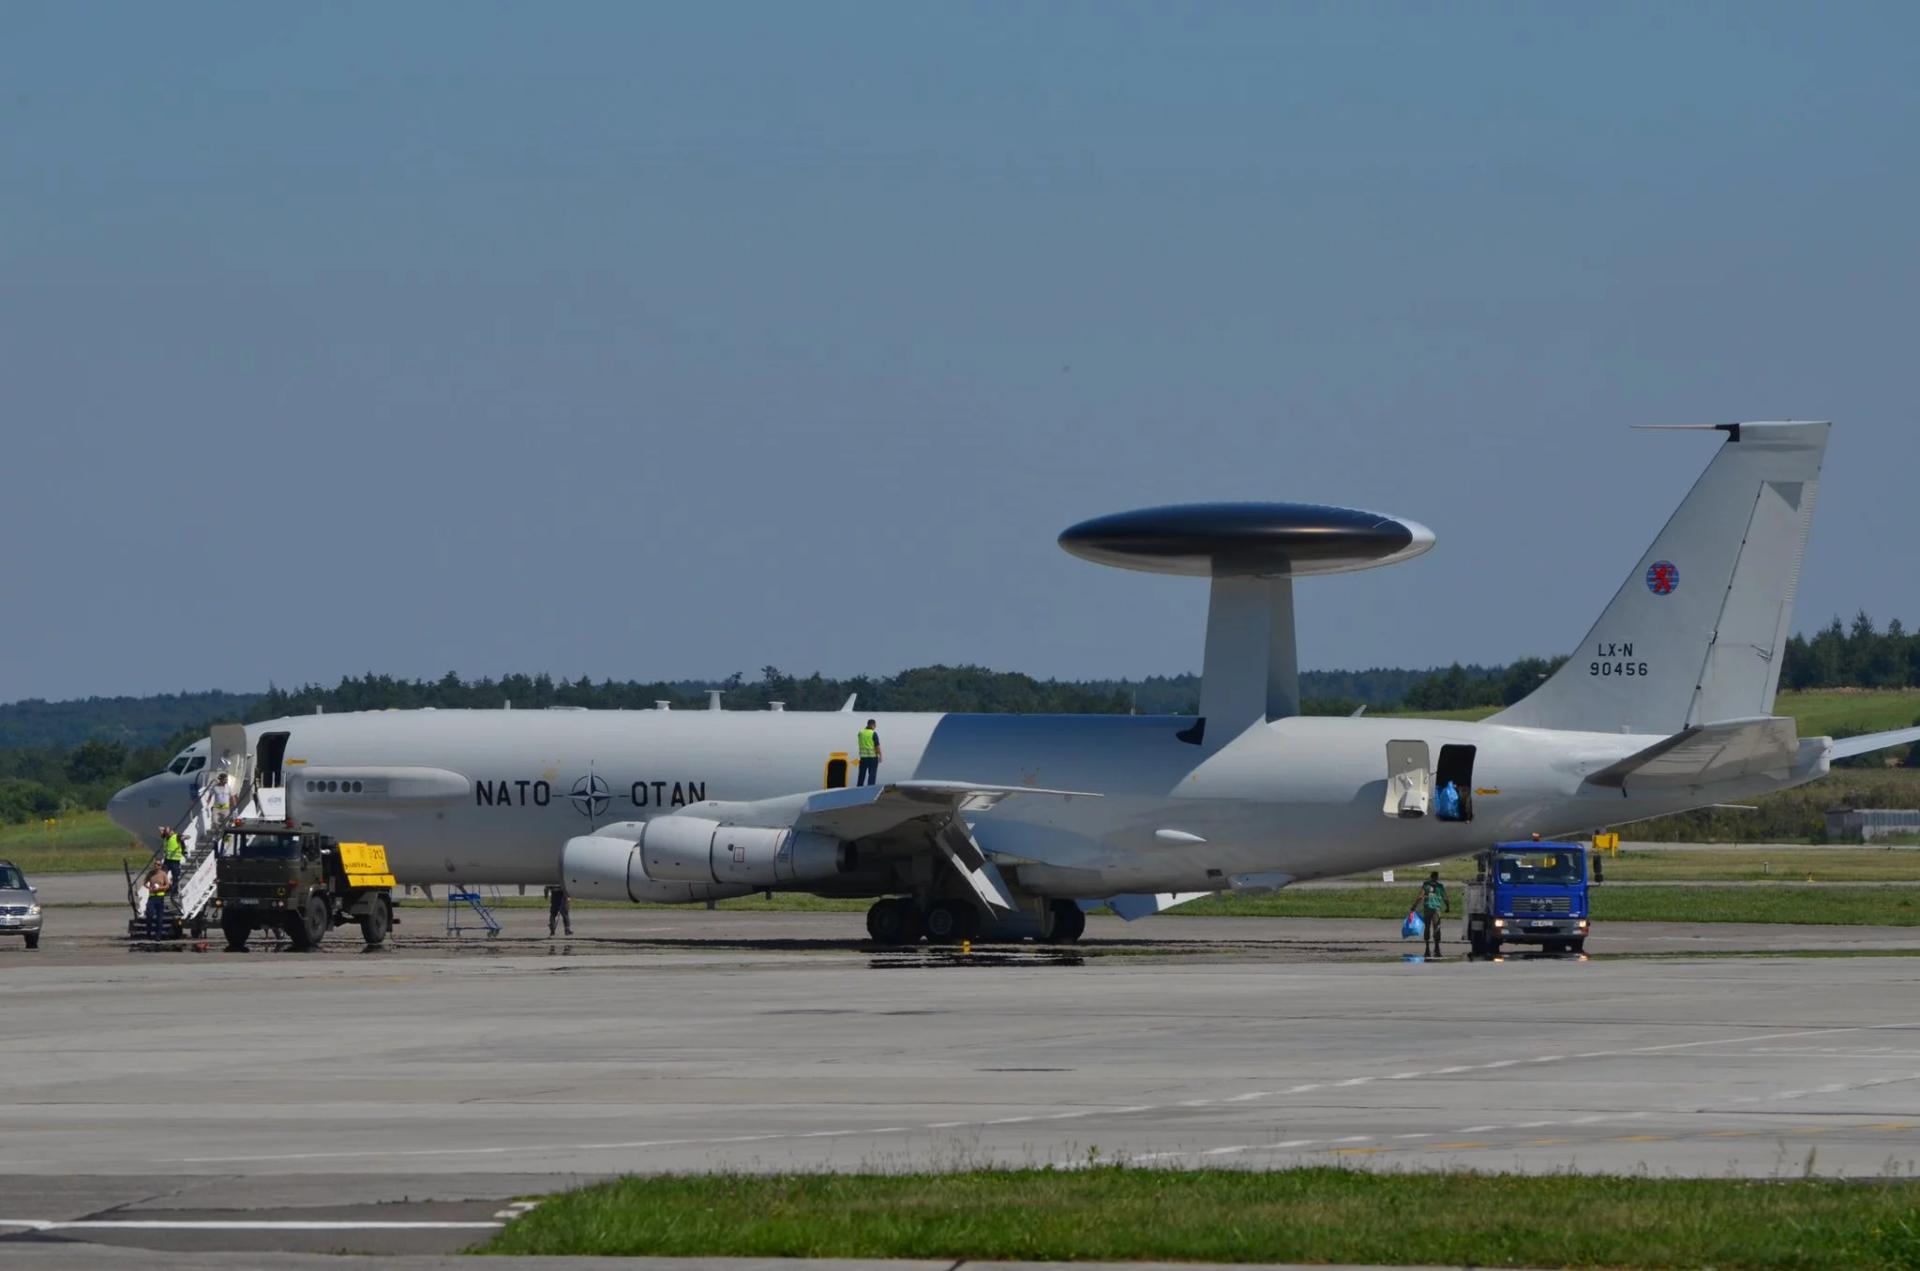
(1467, 1145)
(1481, 1129)
(1641, 1138)
(211, 1224)
(1248, 1096)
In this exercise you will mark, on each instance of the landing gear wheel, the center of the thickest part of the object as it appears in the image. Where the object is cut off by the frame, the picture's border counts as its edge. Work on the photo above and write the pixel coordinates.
(33, 941)
(377, 922)
(1069, 922)
(893, 921)
(950, 922)
(236, 929)
(306, 929)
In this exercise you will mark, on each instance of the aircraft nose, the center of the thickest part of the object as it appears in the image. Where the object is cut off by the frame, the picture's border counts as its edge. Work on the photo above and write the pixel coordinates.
(121, 808)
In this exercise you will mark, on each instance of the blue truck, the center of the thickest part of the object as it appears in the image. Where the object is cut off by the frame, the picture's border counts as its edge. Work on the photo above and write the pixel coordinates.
(1530, 893)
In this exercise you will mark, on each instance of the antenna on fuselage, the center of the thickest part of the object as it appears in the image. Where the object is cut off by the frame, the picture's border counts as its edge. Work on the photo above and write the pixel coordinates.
(1251, 552)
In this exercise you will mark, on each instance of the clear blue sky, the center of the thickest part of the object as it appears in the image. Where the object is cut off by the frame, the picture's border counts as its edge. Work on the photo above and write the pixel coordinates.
(636, 340)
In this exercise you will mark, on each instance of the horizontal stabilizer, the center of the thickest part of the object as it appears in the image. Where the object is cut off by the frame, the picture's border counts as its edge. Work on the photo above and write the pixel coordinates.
(1866, 744)
(1707, 753)
(1144, 904)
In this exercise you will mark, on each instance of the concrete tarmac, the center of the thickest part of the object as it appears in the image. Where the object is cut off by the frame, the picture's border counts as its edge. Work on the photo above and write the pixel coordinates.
(400, 1101)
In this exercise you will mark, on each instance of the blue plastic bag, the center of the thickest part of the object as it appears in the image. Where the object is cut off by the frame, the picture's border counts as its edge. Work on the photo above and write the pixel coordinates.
(1414, 926)
(1446, 804)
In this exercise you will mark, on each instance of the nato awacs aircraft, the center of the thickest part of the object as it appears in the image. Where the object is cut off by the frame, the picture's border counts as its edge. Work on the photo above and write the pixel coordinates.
(1010, 825)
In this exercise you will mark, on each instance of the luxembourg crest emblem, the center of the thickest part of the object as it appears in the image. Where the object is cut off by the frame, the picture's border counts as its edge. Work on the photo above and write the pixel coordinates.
(1663, 577)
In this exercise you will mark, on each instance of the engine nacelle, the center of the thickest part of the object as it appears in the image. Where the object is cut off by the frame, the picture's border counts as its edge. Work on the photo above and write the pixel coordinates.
(598, 867)
(696, 850)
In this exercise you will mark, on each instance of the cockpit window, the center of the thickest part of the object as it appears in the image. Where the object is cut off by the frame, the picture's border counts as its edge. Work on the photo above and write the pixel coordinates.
(179, 764)
(196, 763)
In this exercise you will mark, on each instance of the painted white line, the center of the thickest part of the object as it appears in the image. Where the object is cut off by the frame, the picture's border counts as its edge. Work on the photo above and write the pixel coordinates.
(1229, 1151)
(995, 1121)
(209, 1224)
(1353, 1138)
(1546, 1059)
(1403, 1076)
(1413, 1136)
(1311, 1085)
(1354, 1081)
(1248, 1096)
(1501, 1063)
(1441, 1072)
(1294, 1143)
(1479, 1129)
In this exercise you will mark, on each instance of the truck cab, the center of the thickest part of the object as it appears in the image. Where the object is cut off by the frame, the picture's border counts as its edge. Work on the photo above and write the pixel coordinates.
(1530, 893)
(273, 877)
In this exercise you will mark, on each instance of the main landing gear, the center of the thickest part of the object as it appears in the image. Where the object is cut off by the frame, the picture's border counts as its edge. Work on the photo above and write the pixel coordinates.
(900, 920)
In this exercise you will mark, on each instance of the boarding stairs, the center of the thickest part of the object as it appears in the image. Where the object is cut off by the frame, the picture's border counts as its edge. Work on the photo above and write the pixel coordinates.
(462, 899)
(200, 831)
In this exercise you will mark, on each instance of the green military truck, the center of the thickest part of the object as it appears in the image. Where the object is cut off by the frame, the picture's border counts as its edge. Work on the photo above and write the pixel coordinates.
(274, 878)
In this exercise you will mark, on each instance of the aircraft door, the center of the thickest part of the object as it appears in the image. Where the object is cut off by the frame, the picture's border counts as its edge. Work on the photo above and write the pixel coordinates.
(268, 758)
(1409, 779)
(835, 777)
(230, 754)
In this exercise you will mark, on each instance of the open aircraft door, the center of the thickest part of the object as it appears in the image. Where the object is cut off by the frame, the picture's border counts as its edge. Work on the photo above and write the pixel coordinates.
(230, 754)
(1409, 779)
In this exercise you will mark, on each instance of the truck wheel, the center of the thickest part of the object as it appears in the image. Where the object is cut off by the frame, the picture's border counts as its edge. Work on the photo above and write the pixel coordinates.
(33, 940)
(198, 928)
(1577, 946)
(308, 928)
(237, 929)
(377, 922)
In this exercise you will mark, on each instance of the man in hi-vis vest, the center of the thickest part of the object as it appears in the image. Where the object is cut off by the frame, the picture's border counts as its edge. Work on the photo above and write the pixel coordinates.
(869, 755)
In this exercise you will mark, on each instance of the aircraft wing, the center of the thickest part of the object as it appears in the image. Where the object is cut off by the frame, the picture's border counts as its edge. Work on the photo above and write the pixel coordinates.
(864, 811)
(1706, 753)
(867, 812)
(1867, 743)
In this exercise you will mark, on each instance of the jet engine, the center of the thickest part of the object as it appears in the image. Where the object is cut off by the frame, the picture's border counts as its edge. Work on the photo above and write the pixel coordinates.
(599, 867)
(696, 850)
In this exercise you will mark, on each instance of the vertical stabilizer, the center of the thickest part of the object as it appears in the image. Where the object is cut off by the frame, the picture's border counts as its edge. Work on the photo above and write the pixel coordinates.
(1696, 633)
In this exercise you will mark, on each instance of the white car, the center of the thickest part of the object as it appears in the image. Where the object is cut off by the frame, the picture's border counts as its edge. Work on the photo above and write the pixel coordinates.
(19, 907)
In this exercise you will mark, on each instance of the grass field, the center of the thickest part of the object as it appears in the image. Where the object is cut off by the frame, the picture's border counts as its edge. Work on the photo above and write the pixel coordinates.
(77, 843)
(1305, 1215)
(1896, 864)
(1785, 902)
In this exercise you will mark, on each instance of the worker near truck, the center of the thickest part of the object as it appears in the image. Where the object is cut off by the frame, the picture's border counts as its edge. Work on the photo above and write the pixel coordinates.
(173, 854)
(158, 883)
(1431, 904)
(559, 909)
(869, 739)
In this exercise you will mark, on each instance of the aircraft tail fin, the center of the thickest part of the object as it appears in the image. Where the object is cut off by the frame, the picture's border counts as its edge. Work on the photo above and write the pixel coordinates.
(1696, 633)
